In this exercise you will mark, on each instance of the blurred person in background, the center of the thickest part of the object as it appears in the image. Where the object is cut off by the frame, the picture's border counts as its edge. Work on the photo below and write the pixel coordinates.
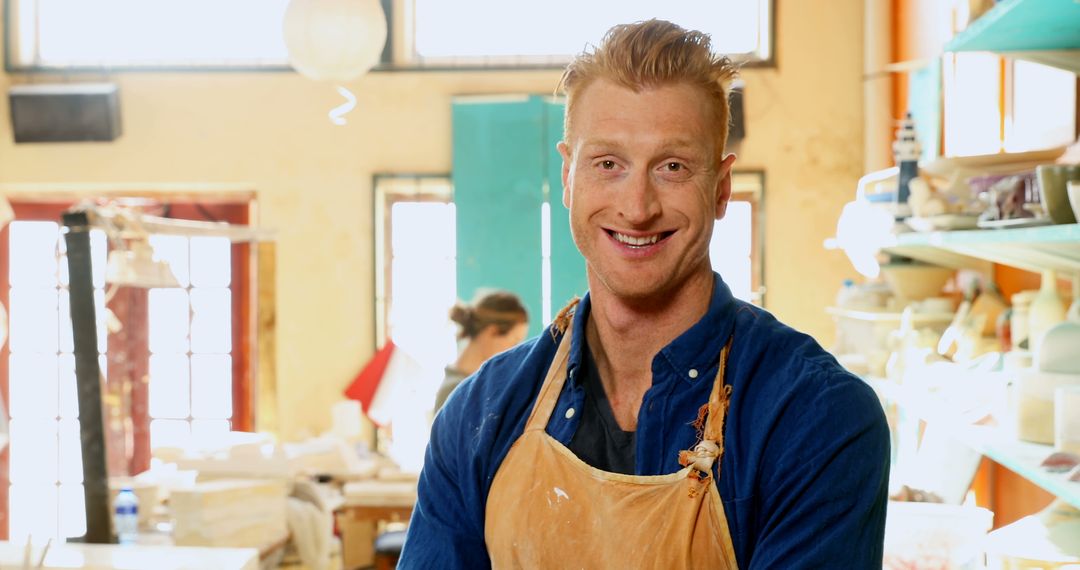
(495, 321)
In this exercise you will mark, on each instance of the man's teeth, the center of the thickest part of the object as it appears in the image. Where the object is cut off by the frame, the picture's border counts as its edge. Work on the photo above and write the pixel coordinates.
(631, 240)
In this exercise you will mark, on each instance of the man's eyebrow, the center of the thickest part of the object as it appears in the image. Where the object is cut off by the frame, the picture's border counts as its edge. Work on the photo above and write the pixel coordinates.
(601, 143)
(667, 144)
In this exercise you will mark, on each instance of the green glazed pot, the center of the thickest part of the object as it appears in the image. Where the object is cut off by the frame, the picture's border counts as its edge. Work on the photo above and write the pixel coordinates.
(1053, 179)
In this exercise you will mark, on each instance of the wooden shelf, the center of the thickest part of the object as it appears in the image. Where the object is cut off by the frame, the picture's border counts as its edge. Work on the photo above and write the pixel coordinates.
(1032, 249)
(1044, 31)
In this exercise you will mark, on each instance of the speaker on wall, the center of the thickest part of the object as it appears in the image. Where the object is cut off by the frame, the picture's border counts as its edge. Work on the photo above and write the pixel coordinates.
(65, 112)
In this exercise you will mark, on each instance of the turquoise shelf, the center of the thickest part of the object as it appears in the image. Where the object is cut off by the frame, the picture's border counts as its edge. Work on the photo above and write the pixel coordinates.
(1021, 457)
(1023, 25)
(1042, 31)
(1032, 249)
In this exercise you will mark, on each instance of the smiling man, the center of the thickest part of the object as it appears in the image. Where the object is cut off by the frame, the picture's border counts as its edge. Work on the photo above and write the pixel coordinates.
(659, 423)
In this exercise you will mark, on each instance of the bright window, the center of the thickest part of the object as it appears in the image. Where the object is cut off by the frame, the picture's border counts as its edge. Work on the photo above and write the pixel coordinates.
(247, 33)
(500, 32)
(1040, 108)
(736, 246)
(188, 332)
(993, 104)
(46, 493)
(126, 33)
(730, 249)
(415, 286)
(971, 86)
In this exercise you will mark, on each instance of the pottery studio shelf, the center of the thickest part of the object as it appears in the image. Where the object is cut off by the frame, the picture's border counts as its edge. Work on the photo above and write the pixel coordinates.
(1021, 457)
(1032, 249)
(1043, 31)
(887, 317)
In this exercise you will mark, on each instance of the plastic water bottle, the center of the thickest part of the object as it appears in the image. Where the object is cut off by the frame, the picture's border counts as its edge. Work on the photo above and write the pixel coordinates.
(846, 294)
(127, 516)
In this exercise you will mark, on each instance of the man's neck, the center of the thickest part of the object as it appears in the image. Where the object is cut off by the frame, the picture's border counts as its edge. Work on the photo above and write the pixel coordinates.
(624, 337)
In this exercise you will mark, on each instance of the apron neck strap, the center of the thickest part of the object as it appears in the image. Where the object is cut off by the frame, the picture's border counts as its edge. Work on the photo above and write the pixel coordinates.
(552, 387)
(556, 379)
(718, 401)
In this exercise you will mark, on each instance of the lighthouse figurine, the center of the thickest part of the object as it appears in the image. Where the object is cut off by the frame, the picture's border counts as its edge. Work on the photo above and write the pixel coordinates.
(906, 154)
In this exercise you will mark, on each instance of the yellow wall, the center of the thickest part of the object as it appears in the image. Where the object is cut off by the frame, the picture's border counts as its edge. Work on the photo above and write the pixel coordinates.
(270, 131)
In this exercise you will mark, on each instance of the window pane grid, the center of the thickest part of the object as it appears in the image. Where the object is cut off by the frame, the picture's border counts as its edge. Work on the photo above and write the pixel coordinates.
(46, 464)
(46, 456)
(190, 333)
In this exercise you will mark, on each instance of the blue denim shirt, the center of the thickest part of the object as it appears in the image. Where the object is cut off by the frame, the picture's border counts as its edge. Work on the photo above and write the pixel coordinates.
(806, 452)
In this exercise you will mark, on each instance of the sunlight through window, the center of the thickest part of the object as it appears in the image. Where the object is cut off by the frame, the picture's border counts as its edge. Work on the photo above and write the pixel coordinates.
(731, 248)
(149, 33)
(190, 331)
(550, 32)
(46, 456)
(190, 374)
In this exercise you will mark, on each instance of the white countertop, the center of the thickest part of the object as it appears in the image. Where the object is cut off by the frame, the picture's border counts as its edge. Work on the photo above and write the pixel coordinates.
(110, 556)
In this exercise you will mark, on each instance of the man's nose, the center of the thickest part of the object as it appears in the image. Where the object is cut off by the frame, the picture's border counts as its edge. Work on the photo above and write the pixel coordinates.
(639, 200)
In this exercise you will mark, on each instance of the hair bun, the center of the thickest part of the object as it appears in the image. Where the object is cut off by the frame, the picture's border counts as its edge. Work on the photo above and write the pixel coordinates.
(461, 314)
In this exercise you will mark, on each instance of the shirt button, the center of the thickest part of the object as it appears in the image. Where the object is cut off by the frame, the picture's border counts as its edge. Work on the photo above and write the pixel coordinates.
(569, 413)
(693, 373)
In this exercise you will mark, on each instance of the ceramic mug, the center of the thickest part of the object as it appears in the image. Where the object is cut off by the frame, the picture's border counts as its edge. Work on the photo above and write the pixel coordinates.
(1052, 186)
(1074, 197)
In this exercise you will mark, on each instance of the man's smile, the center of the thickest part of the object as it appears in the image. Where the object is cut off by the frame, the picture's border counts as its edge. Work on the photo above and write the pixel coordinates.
(640, 240)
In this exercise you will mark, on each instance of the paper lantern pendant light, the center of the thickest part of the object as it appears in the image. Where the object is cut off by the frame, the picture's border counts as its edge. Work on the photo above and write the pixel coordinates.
(334, 40)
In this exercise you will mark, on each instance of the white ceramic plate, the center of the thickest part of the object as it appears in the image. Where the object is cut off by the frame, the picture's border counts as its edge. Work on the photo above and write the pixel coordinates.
(1015, 223)
(944, 222)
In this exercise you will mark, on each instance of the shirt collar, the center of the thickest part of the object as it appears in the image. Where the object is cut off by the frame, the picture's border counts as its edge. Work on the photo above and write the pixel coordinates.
(698, 348)
(577, 340)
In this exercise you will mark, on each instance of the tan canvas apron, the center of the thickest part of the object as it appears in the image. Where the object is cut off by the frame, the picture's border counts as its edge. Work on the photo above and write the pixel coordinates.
(548, 509)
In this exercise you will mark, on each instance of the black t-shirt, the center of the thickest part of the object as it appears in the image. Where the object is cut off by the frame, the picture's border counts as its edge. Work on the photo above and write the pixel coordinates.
(599, 441)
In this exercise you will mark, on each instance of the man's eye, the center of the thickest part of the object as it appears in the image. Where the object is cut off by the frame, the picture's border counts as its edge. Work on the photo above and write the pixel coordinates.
(607, 164)
(674, 167)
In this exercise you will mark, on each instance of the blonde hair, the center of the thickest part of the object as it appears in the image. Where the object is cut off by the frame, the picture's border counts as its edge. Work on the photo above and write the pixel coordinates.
(651, 54)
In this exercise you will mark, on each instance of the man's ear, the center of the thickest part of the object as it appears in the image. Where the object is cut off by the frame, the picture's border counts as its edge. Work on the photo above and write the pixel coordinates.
(723, 186)
(564, 150)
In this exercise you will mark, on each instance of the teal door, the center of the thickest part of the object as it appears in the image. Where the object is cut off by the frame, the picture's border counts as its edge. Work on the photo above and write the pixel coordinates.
(506, 172)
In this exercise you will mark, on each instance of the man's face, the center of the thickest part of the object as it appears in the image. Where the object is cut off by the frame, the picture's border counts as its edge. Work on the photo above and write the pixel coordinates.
(643, 184)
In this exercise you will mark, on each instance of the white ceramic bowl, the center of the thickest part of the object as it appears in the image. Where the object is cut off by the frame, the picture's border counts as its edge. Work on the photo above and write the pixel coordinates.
(915, 282)
(1058, 351)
